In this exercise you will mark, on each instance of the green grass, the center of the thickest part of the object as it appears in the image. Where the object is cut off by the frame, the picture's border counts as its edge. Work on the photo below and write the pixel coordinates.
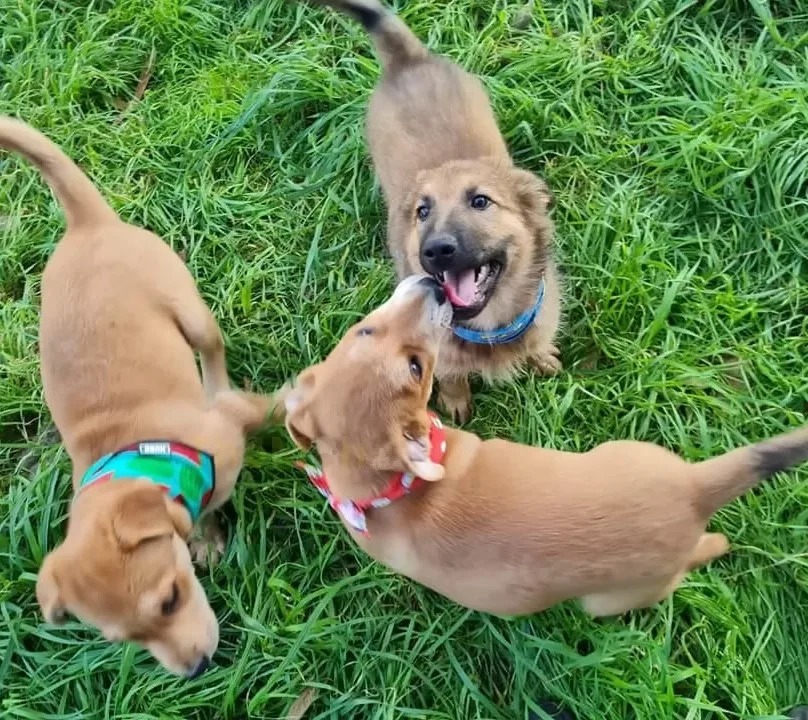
(675, 137)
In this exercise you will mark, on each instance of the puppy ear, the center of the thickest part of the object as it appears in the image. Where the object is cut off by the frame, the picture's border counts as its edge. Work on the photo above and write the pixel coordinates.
(301, 428)
(533, 194)
(142, 514)
(179, 516)
(48, 592)
(416, 454)
(297, 401)
(278, 403)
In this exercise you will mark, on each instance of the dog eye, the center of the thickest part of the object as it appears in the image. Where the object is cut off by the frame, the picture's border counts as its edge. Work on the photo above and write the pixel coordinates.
(480, 202)
(169, 606)
(364, 331)
(415, 368)
(422, 211)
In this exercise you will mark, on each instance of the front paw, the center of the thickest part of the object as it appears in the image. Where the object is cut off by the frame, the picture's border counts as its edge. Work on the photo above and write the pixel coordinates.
(455, 406)
(547, 363)
(208, 543)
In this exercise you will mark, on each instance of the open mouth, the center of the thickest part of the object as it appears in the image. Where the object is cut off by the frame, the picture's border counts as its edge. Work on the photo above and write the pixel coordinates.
(470, 289)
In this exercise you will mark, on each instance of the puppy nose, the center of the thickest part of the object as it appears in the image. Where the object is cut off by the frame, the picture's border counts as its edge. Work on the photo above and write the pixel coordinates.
(435, 288)
(200, 667)
(438, 253)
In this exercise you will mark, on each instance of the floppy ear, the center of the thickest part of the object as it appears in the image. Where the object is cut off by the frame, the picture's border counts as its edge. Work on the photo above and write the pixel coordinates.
(415, 453)
(300, 428)
(278, 403)
(297, 401)
(179, 516)
(533, 194)
(142, 514)
(48, 594)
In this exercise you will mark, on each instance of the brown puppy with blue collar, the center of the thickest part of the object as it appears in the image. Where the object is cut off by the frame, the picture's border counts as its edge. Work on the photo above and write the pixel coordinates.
(152, 447)
(494, 525)
(459, 209)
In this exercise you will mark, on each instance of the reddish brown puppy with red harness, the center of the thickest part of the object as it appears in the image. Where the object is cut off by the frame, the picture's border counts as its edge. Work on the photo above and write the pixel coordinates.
(494, 525)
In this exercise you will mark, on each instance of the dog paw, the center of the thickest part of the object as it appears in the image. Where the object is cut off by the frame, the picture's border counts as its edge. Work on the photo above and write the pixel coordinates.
(548, 363)
(208, 544)
(206, 553)
(455, 407)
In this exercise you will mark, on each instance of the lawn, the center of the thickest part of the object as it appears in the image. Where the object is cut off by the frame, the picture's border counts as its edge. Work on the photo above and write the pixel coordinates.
(675, 137)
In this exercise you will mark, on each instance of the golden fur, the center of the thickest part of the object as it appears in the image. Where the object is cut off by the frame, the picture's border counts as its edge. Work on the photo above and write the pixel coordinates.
(507, 528)
(435, 141)
(121, 318)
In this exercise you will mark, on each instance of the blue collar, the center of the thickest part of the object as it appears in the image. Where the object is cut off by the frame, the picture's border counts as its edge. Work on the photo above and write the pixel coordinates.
(508, 333)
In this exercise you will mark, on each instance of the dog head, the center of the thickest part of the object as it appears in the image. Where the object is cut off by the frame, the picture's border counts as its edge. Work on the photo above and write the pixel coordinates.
(365, 405)
(480, 227)
(125, 569)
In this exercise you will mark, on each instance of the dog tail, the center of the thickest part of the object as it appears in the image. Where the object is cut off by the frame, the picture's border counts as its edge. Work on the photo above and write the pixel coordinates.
(396, 45)
(79, 198)
(728, 476)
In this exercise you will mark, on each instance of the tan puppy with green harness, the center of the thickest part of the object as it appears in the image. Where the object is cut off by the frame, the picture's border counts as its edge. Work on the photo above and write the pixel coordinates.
(494, 525)
(152, 447)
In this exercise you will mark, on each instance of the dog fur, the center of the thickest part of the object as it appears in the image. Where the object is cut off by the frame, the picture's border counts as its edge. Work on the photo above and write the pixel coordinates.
(507, 528)
(434, 139)
(121, 317)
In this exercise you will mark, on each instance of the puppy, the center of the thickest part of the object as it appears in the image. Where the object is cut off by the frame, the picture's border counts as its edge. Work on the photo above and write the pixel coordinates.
(151, 446)
(459, 209)
(493, 525)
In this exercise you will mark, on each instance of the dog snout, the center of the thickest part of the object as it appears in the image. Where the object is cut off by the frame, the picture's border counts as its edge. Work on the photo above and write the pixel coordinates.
(199, 668)
(439, 253)
(435, 288)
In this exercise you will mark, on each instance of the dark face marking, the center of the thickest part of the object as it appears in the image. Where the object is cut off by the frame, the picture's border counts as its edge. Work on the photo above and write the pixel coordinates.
(457, 251)
(480, 221)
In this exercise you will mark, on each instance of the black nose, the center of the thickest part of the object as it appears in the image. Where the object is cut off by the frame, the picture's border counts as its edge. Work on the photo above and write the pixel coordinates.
(203, 665)
(438, 253)
(436, 288)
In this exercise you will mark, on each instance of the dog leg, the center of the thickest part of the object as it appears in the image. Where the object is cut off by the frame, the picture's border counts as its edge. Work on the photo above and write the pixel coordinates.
(545, 361)
(454, 398)
(208, 542)
(251, 410)
(709, 547)
(631, 598)
(608, 604)
(203, 334)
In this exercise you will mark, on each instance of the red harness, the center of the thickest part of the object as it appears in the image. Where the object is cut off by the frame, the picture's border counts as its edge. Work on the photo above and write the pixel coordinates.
(401, 484)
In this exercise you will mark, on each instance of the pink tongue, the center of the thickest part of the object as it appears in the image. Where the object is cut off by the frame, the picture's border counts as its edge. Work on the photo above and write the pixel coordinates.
(460, 288)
